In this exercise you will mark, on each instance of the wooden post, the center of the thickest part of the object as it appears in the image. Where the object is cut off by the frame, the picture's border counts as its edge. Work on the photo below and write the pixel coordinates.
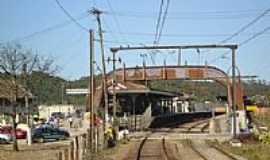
(76, 148)
(71, 150)
(124, 72)
(66, 155)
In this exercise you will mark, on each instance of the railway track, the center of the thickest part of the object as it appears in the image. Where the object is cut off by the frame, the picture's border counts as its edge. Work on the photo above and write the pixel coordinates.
(208, 152)
(200, 126)
(152, 150)
(194, 127)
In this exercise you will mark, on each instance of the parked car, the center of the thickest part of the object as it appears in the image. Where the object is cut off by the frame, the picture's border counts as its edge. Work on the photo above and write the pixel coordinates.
(4, 141)
(59, 115)
(44, 134)
(21, 134)
(6, 132)
(5, 138)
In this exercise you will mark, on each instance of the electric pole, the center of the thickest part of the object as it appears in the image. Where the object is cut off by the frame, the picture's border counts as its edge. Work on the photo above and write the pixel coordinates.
(114, 60)
(26, 98)
(97, 13)
(179, 57)
(234, 97)
(62, 92)
(91, 91)
(14, 103)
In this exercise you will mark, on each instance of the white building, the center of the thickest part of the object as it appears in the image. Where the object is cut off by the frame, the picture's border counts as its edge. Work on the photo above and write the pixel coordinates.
(45, 111)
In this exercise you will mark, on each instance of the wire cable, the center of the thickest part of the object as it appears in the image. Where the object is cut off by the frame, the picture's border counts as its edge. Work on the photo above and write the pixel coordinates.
(176, 35)
(70, 16)
(244, 42)
(159, 26)
(163, 20)
(115, 17)
(110, 30)
(158, 21)
(46, 30)
(242, 29)
(189, 17)
(254, 36)
(214, 12)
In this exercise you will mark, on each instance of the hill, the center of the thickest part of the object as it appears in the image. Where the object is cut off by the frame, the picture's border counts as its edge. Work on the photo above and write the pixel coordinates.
(48, 89)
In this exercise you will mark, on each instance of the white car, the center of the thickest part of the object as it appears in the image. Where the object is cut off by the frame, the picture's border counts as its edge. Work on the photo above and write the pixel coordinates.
(6, 137)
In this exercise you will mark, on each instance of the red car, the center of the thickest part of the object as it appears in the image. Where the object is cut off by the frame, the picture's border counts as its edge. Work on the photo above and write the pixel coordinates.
(20, 134)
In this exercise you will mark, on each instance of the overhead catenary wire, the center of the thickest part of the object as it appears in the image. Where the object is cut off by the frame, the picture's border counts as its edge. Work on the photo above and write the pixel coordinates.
(175, 34)
(245, 42)
(160, 25)
(163, 20)
(179, 16)
(158, 21)
(118, 42)
(242, 29)
(255, 36)
(115, 18)
(108, 29)
(195, 13)
(71, 17)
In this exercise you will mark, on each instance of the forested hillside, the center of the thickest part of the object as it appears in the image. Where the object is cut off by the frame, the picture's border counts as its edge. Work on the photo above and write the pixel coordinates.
(48, 89)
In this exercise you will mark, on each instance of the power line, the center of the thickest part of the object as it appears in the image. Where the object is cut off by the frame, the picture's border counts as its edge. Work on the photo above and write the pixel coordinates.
(245, 42)
(188, 17)
(215, 12)
(175, 35)
(163, 20)
(110, 30)
(118, 42)
(255, 36)
(160, 25)
(70, 16)
(48, 29)
(242, 29)
(158, 21)
(114, 16)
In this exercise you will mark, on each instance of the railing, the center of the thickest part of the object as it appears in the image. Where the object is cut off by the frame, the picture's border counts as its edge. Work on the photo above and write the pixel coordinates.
(140, 122)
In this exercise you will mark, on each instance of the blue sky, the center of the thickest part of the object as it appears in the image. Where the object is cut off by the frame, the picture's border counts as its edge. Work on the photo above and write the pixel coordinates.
(133, 22)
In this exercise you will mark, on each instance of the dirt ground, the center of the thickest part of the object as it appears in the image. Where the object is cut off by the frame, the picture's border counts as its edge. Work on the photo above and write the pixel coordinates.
(116, 153)
(46, 151)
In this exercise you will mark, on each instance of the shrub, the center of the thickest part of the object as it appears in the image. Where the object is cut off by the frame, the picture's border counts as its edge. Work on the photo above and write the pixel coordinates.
(265, 137)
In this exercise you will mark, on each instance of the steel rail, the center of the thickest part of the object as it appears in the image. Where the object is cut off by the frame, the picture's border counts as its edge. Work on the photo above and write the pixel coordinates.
(189, 142)
(222, 151)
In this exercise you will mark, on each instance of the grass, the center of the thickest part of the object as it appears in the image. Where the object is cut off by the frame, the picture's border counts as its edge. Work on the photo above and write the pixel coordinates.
(257, 151)
(263, 118)
(251, 149)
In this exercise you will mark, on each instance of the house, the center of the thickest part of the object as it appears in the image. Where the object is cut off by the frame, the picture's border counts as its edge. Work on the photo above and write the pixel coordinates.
(8, 104)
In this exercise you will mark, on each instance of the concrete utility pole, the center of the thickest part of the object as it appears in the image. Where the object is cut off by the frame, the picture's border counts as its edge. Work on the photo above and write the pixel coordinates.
(26, 98)
(91, 90)
(62, 93)
(114, 60)
(97, 13)
(234, 96)
(179, 57)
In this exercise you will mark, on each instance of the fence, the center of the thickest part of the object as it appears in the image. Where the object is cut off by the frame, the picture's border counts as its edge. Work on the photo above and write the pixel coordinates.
(140, 122)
